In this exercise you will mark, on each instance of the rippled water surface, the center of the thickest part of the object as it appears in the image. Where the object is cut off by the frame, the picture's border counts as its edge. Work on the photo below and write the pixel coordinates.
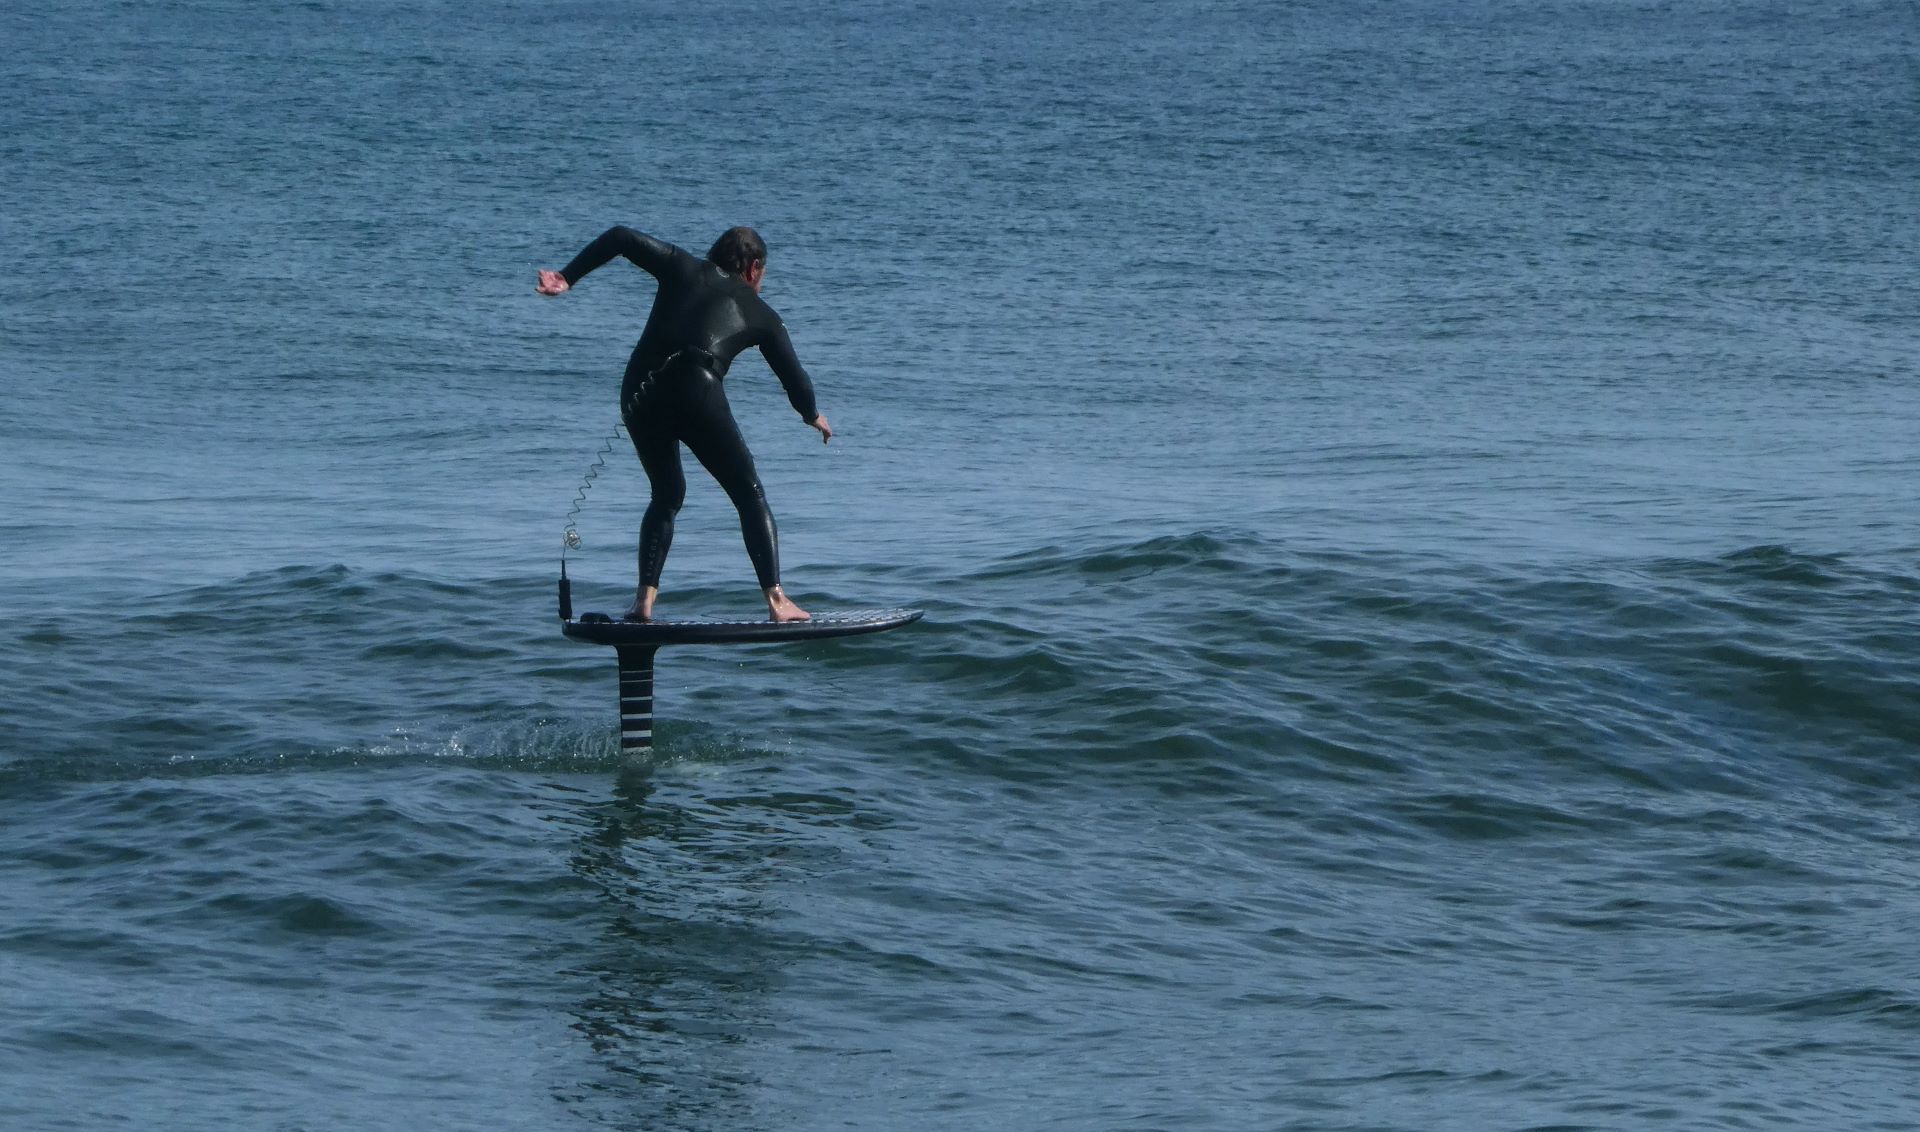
(1414, 507)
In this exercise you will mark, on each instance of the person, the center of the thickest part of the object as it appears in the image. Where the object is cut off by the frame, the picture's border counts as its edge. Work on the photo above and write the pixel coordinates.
(705, 313)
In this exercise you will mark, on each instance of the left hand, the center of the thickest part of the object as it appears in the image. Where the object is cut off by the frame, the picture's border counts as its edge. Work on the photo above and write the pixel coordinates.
(819, 423)
(551, 283)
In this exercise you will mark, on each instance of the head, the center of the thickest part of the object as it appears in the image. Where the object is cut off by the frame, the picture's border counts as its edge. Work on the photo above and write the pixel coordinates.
(741, 252)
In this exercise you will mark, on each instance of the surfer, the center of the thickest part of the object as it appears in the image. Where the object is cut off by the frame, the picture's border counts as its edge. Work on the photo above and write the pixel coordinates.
(705, 313)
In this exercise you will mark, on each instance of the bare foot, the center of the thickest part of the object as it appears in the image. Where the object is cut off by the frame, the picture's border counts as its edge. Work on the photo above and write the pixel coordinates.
(781, 608)
(642, 607)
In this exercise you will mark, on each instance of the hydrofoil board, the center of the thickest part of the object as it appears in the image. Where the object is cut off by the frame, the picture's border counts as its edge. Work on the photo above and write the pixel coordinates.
(636, 641)
(602, 629)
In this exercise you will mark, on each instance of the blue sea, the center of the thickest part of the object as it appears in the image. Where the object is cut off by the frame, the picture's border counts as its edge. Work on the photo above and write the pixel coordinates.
(1415, 506)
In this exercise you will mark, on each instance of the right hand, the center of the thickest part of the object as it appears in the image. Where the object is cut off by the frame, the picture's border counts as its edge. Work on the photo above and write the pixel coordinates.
(819, 424)
(551, 283)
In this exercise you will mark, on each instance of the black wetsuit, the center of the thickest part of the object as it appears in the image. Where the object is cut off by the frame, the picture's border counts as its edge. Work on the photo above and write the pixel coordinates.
(702, 317)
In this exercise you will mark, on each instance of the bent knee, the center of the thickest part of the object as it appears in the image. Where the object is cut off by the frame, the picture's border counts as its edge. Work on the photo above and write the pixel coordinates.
(747, 493)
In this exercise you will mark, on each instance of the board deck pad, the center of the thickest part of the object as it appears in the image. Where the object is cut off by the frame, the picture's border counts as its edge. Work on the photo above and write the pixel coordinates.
(603, 629)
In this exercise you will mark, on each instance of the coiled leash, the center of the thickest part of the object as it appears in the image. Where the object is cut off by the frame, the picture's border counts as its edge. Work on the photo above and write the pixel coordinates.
(570, 536)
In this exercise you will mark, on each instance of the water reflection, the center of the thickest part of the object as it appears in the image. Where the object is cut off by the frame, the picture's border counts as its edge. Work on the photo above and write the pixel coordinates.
(687, 967)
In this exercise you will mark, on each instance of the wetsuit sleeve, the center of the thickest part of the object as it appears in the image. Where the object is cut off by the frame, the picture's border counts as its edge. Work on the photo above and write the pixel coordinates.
(777, 348)
(649, 254)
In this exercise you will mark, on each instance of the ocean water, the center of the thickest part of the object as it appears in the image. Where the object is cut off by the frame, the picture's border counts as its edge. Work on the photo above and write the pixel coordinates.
(1414, 504)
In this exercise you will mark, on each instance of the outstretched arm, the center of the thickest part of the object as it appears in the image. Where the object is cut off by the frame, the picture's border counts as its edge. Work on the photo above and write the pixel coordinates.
(777, 348)
(647, 253)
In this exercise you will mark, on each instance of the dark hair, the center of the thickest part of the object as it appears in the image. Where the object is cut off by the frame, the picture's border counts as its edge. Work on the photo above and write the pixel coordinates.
(737, 249)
